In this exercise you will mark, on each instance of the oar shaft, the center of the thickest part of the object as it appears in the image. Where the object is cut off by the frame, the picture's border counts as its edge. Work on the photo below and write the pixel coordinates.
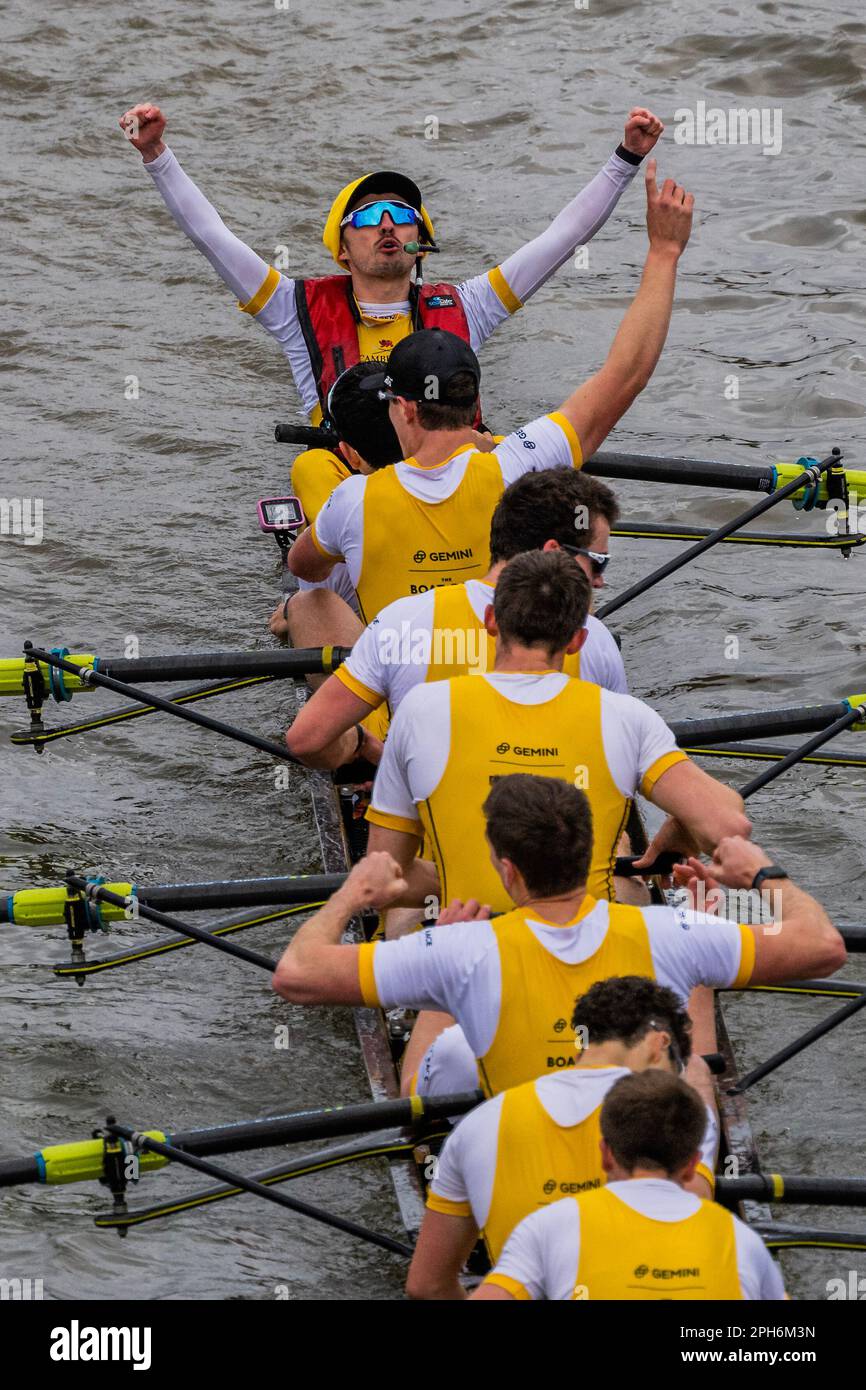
(144, 697)
(326, 1123)
(685, 558)
(279, 664)
(798, 719)
(776, 1187)
(652, 468)
(174, 924)
(769, 774)
(805, 1040)
(281, 1199)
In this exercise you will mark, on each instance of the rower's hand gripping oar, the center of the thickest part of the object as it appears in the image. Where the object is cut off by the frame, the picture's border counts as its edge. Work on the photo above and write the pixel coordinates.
(809, 478)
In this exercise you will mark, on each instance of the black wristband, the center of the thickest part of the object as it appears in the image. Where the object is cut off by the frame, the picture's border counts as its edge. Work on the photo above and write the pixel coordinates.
(628, 155)
(362, 734)
(769, 871)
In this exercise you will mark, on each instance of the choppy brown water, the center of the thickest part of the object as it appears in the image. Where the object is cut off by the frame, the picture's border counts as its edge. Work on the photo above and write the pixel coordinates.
(150, 527)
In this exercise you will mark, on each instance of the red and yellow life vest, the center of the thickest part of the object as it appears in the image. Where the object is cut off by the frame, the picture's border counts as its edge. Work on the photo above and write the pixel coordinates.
(329, 319)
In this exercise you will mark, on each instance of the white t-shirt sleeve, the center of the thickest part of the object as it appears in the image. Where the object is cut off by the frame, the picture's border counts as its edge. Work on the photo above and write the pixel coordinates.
(431, 968)
(416, 752)
(693, 948)
(337, 526)
(543, 443)
(449, 1181)
(601, 659)
(635, 739)
(533, 1257)
(449, 1066)
(760, 1276)
(483, 308)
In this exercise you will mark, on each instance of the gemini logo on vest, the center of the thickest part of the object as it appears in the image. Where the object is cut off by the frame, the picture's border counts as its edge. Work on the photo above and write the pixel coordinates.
(643, 1270)
(77, 1343)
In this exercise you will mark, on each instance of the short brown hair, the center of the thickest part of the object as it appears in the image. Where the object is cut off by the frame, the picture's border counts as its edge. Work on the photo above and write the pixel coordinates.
(651, 1119)
(544, 826)
(545, 506)
(541, 599)
(439, 415)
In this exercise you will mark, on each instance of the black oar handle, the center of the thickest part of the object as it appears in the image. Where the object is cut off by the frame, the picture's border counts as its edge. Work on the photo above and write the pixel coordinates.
(627, 867)
(311, 436)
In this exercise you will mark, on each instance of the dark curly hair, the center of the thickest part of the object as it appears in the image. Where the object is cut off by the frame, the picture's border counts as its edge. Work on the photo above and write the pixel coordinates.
(626, 1006)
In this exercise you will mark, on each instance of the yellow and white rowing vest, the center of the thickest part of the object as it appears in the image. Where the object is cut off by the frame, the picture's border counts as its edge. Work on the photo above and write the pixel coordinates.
(460, 642)
(625, 1255)
(534, 1035)
(559, 1161)
(411, 545)
(492, 737)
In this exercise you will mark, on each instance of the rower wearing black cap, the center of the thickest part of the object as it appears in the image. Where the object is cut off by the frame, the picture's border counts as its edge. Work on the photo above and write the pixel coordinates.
(426, 521)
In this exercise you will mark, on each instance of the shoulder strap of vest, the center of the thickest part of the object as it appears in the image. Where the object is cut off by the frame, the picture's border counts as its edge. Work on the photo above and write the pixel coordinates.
(328, 319)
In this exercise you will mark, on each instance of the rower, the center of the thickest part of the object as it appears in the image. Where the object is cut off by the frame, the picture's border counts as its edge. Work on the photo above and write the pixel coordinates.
(328, 613)
(427, 520)
(642, 1236)
(451, 740)
(326, 324)
(441, 633)
(532, 1144)
(511, 982)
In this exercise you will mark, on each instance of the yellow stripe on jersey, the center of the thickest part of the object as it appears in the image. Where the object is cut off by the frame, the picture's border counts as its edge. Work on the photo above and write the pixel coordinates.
(315, 474)
(389, 822)
(537, 1162)
(534, 1035)
(366, 975)
(262, 294)
(503, 291)
(571, 435)
(318, 544)
(704, 1172)
(625, 1255)
(511, 1286)
(492, 737)
(446, 1207)
(652, 774)
(747, 957)
(377, 722)
(363, 692)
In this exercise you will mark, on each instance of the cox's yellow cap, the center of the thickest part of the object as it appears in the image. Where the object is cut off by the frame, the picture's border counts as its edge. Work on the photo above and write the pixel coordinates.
(386, 181)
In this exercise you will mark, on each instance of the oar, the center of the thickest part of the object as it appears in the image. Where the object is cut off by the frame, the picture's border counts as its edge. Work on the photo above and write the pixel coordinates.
(277, 663)
(103, 894)
(126, 712)
(150, 950)
(84, 1160)
(226, 1175)
(787, 721)
(47, 907)
(395, 1144)
(854, 715)
(660, 531)
(765, 753)
(805, 1040)
(778, 1235)
(216, 726)
(795, 1190)
(653, 468)
(809, 477)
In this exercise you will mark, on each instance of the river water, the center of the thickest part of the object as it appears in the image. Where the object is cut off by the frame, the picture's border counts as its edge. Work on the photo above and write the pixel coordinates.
(150, 531)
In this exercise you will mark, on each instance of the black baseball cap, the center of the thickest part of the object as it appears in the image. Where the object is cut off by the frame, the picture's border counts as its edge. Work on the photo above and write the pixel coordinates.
(429, 354)
(385, 181)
